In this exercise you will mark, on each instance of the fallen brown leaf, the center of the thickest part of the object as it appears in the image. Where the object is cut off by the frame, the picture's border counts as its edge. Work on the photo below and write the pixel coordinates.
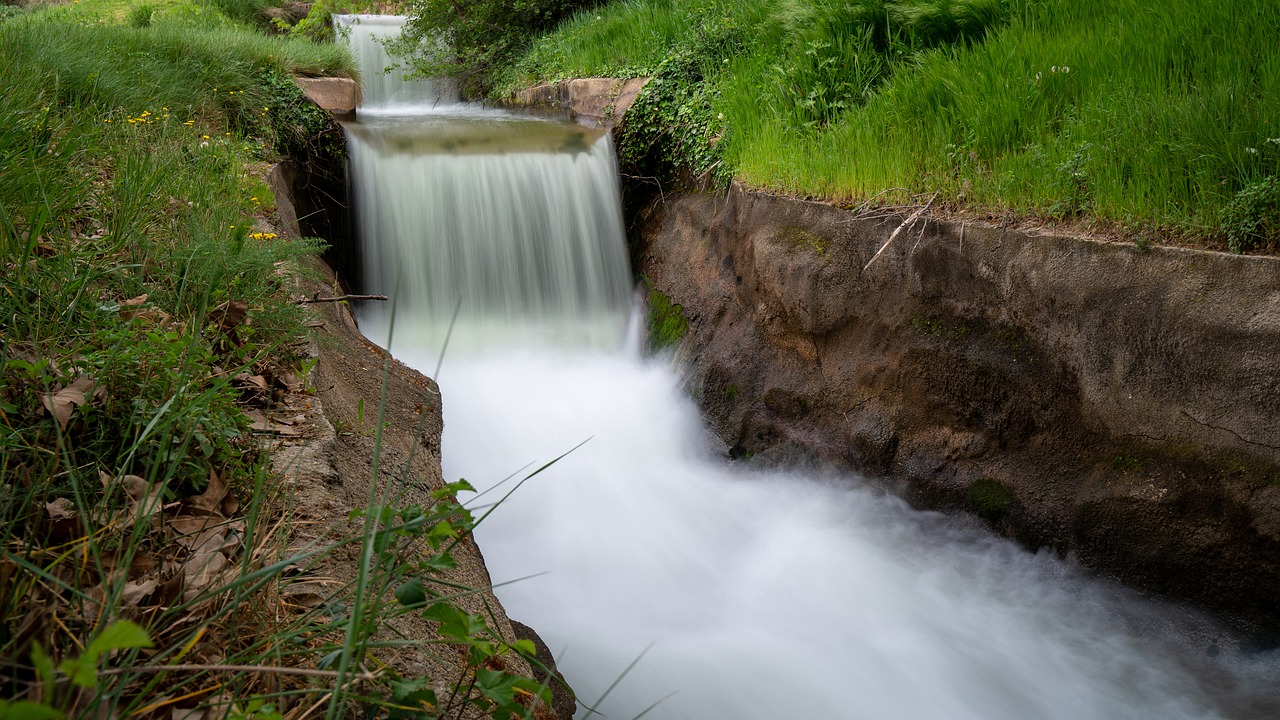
(146, 499)
(259, 424)
(200, 571)
(129, 308)
(61, 402)
(136, 592)
(209, 502)
(229, 315)
(61, 509)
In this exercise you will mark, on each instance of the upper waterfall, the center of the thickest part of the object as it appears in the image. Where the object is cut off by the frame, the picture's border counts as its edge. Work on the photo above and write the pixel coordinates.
(387, 85)
(513, 221)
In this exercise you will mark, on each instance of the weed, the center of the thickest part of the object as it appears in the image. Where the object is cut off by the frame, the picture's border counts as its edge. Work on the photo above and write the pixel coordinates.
(140, 15)
(1073, 183)
(990, 499)
(667, 325)
(1252, 218)
(1126, 461)
(937, 328)
(803, 239)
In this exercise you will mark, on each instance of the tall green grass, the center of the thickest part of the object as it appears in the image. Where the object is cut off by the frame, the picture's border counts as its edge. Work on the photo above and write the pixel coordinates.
(1128, 111)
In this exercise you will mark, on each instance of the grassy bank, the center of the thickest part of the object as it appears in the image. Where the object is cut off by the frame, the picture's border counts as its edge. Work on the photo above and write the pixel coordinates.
(1159, 116)
(147, 315)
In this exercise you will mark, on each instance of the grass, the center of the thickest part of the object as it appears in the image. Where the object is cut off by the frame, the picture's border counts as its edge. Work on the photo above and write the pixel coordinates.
(1146, 115)
(145, 300)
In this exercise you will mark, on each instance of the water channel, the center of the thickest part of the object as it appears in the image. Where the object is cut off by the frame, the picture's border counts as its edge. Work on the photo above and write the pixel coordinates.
(749, 593)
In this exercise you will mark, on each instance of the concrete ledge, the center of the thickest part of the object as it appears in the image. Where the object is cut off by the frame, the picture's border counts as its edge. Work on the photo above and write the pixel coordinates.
(594, 102)
(339, 96)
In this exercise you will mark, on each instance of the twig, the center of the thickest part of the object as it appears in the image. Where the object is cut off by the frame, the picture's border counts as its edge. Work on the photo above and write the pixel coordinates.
(909, 221)
(340, 298)
(307, 672)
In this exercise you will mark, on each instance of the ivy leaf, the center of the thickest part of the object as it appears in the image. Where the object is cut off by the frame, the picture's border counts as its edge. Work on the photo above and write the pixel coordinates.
(411, 593)
(496, 685)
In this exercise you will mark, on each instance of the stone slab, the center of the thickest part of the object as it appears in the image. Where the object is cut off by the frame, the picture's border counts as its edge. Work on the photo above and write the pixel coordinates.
(339, 96)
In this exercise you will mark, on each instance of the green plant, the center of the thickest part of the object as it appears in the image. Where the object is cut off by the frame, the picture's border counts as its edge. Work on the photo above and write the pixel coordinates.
(482, 35)
(1126, 461)
(667, 325)
(1073, 181)
(140, 15)
(1252, 218)
(990, 499)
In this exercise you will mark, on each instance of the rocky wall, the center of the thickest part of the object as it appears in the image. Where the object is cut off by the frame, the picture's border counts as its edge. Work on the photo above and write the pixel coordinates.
(1118, 404)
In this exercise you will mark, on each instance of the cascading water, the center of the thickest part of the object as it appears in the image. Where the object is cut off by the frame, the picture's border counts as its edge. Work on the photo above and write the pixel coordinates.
(758, 594)
(384, 83)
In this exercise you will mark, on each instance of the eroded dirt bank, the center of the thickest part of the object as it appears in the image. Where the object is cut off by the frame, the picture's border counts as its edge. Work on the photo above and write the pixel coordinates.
(1121, 405)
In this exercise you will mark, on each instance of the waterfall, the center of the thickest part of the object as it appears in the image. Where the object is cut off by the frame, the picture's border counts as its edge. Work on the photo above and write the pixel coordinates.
(382, 77)
(757, 594)
(514, 222)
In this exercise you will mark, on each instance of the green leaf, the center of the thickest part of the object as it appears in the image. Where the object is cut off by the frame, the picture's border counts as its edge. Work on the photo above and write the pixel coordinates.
(442, 561)
(444, 613)
(43, 664)
(81, 671)
(118, 636)
(25, 710)
(496, 685)
(443, 529)
(411, 593)
(525, 647)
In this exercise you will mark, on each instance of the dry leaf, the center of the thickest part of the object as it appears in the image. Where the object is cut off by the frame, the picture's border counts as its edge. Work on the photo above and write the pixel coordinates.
(136, 592)
(289, 382)
(260, 424)
(61, 509)
(146, 500)
(129, 308)
(188, 714)
(63, 401)
(201, 570)
(191, 525)
(209, 502)
(229, 315)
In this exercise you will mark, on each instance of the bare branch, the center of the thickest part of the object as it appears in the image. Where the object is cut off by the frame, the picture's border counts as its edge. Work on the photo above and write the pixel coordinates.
(340, 298)
(909, 221)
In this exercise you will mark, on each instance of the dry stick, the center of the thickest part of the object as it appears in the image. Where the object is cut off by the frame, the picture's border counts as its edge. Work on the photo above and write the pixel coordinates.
(234, 668)
(340, 298)
(909, 221)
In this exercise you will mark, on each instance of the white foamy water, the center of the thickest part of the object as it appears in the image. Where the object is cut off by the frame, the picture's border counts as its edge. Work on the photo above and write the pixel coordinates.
(760, 594)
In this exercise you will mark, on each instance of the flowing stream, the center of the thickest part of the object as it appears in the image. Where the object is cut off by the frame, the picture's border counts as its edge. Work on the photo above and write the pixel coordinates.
(745, 593)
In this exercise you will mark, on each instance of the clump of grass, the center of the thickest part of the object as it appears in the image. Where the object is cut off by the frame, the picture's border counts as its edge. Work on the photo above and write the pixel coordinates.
(1124, 111)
